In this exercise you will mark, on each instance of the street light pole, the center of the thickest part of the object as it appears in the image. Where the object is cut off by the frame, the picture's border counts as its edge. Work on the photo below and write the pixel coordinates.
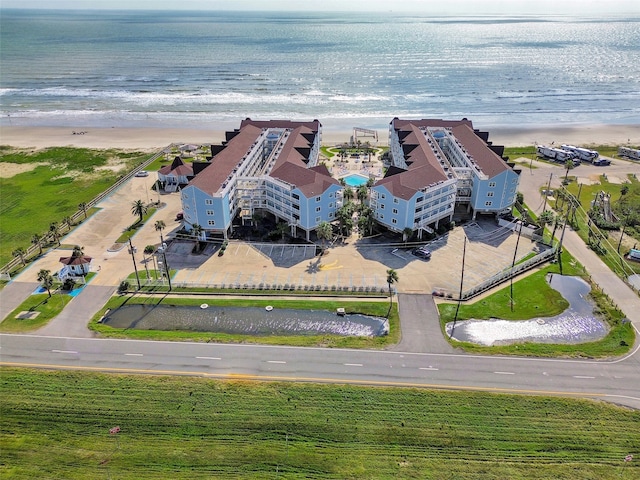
(135, 267)
(166, 268)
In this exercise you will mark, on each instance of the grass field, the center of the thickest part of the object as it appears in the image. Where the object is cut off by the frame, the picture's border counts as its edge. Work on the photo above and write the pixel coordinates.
(56, 425)
(64, 178)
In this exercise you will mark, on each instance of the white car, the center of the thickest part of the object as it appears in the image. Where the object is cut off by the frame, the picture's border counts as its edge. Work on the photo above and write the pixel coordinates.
(142, 173)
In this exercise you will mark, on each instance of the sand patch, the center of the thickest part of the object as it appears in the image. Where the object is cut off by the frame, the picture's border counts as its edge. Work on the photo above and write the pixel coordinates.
(588, 180)
(614, 179)
(8, 170)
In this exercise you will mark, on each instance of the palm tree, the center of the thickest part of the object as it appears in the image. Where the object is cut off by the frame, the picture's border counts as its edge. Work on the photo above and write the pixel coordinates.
(83, 207)
(53, 229)
(348, 194)
(45, 278)
(160, 225)
(36, 239)
(366, 222)
(362, 193)
(324, 232)
(78, 251)
(406, 234)
(139, 208)
(569, 165)
(343, 214)
(283, 229)
(20, 253)
(196, 231)
(392, 277)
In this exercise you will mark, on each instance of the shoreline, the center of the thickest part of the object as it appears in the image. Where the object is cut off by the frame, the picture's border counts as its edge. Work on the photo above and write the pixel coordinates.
(150, 138)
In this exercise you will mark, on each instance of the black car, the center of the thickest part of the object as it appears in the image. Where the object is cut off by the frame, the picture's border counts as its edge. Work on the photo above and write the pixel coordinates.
(421, 252)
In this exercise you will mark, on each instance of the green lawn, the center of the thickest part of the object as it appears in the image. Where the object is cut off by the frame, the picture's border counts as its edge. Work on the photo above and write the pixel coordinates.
(533, 297)
(378, 309)
(56, 425)
(48, 308)
(52, 191)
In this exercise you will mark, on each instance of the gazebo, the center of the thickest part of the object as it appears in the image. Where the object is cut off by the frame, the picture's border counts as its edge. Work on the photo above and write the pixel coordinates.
(74, 266)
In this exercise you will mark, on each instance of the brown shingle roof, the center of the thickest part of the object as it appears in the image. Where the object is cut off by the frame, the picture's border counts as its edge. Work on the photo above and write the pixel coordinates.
(290, 166)
(75, 260)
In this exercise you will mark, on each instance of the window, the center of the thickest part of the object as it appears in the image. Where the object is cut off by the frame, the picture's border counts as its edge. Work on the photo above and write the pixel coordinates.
(393, 220)
(331, 195)
(295, 196)
(208, 201)
(210, 213)
(382, 206)
(318, 199)
(186, 207)
(381, 216)
(395, 210)
(395, 200)
(331, 205)
(419, 199)
(318, 219)
(330, 214)
(211, 223)
(487, 204)
(492, 184)
(382, 196)
(490, 194)
(317, 209)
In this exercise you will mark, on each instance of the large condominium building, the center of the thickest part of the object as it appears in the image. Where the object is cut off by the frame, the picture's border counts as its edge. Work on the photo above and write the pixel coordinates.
(436, 166)
(263, 166)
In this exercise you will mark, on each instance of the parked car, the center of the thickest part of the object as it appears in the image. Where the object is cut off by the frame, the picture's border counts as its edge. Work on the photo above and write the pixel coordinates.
(421, 252)
(142, 173)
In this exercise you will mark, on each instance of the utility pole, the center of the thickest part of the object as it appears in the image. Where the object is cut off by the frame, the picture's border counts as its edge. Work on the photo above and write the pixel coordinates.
(464, 252)
(135, 267)
(547, 193)
(166, 268)
(513, 264)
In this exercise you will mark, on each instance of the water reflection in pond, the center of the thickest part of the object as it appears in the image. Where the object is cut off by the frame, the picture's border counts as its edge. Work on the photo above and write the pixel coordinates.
(244, 320)
(575, 325)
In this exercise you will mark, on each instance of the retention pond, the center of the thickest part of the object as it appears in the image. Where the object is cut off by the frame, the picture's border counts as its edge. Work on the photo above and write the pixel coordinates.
(575, 325)
(244, 320)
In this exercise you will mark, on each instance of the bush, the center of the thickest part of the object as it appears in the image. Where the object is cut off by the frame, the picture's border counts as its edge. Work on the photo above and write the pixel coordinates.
(123, 287)
(68, 284)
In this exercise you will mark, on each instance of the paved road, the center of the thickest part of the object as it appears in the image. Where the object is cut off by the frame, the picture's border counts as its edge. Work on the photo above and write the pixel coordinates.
(617, 381)
(618, 291)
(421, 331)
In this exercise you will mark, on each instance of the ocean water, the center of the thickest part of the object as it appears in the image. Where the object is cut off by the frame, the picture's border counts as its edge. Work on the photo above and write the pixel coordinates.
(206, 69)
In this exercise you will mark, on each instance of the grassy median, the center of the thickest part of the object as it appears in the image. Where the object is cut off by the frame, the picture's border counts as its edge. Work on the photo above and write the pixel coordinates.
(57, 425)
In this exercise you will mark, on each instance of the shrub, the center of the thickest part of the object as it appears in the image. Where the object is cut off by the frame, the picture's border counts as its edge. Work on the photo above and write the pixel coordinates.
(123, 287)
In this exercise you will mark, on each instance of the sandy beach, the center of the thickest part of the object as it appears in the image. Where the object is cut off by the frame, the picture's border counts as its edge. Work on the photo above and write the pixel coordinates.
(152, 138)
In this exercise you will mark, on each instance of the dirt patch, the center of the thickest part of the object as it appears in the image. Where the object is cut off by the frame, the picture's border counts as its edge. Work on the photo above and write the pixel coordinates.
(8, 170)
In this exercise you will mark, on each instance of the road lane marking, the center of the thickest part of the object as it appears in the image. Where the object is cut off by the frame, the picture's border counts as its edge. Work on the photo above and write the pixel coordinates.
(208, 358)
(352, 364)
(582, 376)
(504, 373)
(64, 351)
(134, 355)
(272, 378)
(429, 368)
(275, 361)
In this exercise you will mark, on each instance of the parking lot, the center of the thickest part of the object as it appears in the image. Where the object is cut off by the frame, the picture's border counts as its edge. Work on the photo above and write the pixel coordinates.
(362, 264)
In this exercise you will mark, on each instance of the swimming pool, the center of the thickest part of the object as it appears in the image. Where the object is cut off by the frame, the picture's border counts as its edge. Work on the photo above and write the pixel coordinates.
(355, 180)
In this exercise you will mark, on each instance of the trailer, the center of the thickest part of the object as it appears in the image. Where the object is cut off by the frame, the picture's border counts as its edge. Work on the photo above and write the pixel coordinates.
(630, 153)
(583, 154)
(557, 154)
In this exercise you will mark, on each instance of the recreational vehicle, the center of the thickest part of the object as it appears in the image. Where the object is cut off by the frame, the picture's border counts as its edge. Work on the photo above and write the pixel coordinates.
(630, 153)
